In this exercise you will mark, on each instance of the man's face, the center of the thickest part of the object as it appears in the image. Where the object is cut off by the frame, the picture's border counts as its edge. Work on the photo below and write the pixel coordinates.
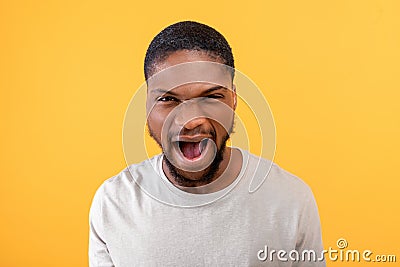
(187, 119)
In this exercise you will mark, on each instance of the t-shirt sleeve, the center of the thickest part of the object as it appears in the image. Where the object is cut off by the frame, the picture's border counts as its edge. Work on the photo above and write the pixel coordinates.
(310, 239)
(99, 255)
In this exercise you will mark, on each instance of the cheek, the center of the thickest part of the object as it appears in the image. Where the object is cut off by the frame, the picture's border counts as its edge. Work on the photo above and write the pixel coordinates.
(221, 133)
(155, 121)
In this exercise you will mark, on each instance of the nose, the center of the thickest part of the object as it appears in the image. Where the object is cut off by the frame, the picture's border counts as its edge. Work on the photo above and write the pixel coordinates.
(190, 115)
(194, 123)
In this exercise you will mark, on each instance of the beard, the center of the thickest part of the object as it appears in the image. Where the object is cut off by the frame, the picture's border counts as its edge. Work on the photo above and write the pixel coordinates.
(183, 178)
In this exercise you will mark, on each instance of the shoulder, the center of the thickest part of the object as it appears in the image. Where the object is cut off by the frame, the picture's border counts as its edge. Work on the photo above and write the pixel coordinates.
(274, 179)
(125, 183)
(288, 180)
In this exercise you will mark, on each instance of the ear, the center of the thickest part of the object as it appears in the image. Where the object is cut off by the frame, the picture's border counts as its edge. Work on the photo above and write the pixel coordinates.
(234, 97)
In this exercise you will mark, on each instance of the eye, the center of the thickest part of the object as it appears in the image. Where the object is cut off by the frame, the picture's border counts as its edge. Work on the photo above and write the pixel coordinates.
(167, 99)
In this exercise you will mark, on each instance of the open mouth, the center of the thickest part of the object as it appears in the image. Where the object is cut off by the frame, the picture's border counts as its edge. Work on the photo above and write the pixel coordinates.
(192, 150)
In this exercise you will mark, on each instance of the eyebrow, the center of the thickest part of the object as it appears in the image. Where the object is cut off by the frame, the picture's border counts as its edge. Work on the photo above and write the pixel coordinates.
(212, 89)
(162, 91)
(215, 88)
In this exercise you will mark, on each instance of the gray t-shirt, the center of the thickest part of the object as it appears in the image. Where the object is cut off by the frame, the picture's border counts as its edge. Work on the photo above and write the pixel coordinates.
(138, 218)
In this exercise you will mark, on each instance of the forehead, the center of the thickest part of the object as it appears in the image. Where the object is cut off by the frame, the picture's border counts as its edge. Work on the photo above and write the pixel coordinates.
(189, 67)
(185, 56)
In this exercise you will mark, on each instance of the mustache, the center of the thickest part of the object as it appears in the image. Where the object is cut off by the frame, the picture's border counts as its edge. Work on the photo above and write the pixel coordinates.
(192, 132)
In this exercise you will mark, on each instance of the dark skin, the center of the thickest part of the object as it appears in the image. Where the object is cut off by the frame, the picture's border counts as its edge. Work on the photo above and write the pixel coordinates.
(165, 101)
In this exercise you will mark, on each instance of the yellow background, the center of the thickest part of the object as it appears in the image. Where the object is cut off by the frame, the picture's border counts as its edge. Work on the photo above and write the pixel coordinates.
(329, 69)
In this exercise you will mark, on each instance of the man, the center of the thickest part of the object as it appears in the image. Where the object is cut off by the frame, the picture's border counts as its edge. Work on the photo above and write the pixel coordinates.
(190, 206)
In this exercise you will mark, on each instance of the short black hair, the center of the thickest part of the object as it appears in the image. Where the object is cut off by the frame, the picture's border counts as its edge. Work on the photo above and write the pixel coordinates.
(187, 35)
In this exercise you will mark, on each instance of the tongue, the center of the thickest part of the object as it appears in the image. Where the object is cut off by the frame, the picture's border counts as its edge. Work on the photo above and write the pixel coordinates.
(190, 150)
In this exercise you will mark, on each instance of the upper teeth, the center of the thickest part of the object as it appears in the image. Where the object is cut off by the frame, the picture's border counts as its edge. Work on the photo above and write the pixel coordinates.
(203, 144)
